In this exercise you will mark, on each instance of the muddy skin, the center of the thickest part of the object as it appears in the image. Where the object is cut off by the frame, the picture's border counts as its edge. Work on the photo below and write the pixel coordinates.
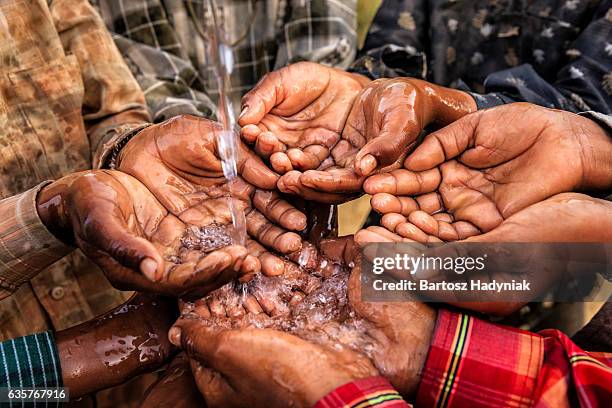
(175, 389)
(310, 301)
(112, 348)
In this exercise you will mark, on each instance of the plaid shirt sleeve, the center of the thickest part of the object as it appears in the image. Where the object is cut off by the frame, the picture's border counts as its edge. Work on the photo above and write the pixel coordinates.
(113, 103)
(472, 363)
(368, 392)
(26, 246)
(30, 361)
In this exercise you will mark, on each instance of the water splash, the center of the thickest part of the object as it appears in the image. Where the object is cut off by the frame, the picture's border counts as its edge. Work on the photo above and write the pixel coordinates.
(222, 58)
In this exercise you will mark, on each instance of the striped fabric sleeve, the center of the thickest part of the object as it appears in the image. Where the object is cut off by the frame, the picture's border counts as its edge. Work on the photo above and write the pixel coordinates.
(473, 363)
(26, 246)
(30, 361)
(369, 392)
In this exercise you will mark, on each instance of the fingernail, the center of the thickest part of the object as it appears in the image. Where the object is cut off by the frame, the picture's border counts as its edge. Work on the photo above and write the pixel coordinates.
(245, 108)
(368, 165)
(174, 335)
(148, 267)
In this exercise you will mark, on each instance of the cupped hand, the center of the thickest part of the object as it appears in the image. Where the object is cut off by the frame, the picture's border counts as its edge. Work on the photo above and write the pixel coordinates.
(487, 166)
(402, 332)
(122, 227)
(295, 116)
(283, 370)
(562, 218)
(178, 162)
(384, 123)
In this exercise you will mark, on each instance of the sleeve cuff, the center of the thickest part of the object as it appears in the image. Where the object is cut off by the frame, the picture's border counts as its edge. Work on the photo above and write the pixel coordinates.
(478, 364)
(368, 392)
(26, 246)
(117, 137)
(490, 100)
(31, 361)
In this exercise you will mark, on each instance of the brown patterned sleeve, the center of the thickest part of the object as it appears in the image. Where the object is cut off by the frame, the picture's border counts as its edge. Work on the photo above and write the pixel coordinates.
(26, 246)
(113, 103)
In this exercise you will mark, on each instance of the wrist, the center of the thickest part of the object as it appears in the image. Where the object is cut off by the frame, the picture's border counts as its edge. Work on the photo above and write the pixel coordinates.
(51, 209)
(446, 104)
(595, 145)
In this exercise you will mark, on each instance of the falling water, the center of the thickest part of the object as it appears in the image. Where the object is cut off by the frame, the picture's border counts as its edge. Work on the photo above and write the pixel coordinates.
(220, 55)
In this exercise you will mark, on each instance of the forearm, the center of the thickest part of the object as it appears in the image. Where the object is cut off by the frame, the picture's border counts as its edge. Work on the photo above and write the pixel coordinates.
(446, 105)
(111, 349)
(26, 245)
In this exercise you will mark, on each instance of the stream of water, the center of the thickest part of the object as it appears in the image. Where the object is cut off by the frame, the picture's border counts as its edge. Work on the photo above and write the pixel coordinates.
(222, 58)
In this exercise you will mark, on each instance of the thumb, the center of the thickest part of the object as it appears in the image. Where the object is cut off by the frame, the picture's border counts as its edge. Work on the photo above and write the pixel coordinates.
(112, 236)
(199, 341)
(254, 170)
(444, 144)
(261, 99)
(386, 149)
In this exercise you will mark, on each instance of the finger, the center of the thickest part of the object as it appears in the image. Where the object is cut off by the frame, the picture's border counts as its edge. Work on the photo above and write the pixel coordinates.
(387, 203)
(391, 221)
(109, 233)
(250, 133)
(271, 236)
(375, 235)
(271, 265)
(333, 180)
(290, 183)
(444, 144)
(212, 271)
(254, 170)
(446, 217)
(403, 182)
(261, 99)
(267, 144)
(304, 159)
(213, 386)
(250, 265)
(279, 211)
(396, 136)
(431, 203)
(465, 229)
(281, 163)
(410, 231)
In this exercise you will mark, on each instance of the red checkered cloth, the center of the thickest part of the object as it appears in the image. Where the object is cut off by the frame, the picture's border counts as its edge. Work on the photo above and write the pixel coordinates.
(369, 392)
(473, 363)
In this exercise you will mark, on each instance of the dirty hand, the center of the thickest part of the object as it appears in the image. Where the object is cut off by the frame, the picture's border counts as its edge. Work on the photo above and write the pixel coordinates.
(470, 176)
(295, 116)
(178, 162)
(120, 225)
(283, 370)
(383, 125)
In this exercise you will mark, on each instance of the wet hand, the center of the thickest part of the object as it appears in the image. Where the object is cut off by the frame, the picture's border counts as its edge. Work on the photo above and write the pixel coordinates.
(401, 331)
(470, 176)
(284, 370)
(561, 218)
(122, 227)
(382, 126)
(295, 116)
(178, 162)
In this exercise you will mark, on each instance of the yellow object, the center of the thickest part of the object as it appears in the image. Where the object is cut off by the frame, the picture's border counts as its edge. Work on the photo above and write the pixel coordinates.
(366, 10)
(352, 215)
